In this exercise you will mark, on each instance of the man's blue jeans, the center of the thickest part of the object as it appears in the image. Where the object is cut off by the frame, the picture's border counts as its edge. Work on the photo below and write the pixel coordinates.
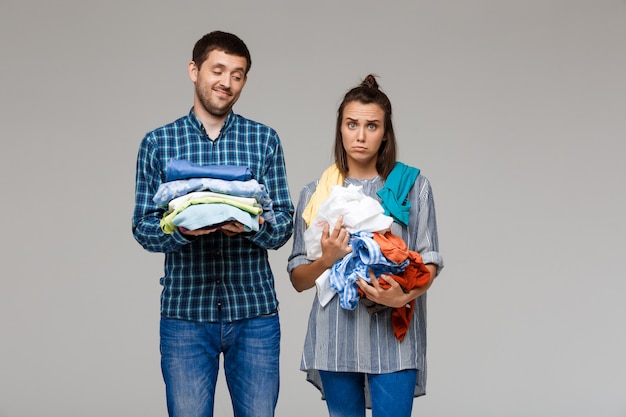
(391, 394)
(190, 363)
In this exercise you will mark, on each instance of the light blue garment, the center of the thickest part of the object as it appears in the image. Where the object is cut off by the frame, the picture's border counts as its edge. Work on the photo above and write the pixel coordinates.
(181, 169)
(198, 216)
(396, 190)
(168, 191)
(190, 356)
(365, 255)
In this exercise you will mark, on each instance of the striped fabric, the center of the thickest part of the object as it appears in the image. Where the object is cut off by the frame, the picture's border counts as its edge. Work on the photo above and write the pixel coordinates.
(366, 255)
(353, 340)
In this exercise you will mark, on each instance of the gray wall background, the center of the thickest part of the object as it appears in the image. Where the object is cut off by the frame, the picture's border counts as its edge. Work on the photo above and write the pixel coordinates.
(514, 109)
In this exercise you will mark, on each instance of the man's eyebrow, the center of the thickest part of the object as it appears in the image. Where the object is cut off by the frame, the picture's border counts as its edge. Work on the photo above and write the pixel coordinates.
(223, 66)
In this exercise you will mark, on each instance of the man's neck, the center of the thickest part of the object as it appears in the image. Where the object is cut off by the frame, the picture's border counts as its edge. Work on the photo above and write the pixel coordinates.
(212, 124)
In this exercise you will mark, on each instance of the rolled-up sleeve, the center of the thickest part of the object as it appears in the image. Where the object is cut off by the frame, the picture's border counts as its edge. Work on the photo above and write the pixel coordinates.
(426, 239)
(298, 252)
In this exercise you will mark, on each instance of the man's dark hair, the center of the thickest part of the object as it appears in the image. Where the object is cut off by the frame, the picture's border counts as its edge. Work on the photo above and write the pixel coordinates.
(223, 41)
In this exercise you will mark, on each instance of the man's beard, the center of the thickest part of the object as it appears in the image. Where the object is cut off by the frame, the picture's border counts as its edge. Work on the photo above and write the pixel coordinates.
(211, 108)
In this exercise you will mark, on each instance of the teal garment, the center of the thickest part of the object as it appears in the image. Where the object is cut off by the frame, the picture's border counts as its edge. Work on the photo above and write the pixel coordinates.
(395, 191)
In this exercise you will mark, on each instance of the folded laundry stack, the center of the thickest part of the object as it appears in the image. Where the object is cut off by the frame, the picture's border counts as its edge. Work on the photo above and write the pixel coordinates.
(196, 197)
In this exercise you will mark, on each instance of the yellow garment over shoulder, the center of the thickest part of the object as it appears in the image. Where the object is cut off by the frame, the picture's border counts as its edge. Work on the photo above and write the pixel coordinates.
(331, 176)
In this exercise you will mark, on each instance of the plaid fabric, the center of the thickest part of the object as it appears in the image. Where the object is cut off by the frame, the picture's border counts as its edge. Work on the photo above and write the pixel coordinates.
(214, 277)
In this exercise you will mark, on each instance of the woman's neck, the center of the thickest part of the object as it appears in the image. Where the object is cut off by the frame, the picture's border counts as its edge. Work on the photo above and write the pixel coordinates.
(362, 173)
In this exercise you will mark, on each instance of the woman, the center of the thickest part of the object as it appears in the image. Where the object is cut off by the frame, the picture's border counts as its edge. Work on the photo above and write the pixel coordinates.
(356, 357)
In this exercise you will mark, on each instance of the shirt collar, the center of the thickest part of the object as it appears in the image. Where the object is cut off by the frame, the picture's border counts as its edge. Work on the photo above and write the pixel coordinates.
(195, 122)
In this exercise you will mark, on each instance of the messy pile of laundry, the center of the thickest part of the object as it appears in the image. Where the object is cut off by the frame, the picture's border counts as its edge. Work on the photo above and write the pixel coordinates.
(374, 248)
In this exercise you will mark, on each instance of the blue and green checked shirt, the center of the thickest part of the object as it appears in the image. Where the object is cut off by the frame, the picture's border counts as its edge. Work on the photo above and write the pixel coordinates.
(214, 277)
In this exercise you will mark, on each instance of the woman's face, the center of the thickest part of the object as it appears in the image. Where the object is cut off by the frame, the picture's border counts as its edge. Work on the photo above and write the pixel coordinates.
(362, 133)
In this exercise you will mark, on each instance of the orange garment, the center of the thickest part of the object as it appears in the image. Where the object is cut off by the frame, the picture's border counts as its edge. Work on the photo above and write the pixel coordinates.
(414, 275)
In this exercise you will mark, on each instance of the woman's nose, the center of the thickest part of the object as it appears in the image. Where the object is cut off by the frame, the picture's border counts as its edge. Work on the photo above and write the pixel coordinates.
(360, 134)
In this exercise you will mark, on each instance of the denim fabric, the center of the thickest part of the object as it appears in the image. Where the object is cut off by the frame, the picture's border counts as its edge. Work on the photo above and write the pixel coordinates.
(391, 394)
(190, 364)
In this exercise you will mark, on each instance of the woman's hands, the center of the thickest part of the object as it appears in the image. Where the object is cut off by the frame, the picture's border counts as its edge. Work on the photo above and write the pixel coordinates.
(394, 296)
(335, 245)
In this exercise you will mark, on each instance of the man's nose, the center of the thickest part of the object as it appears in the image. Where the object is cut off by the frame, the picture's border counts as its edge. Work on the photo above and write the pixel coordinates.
(225, 81)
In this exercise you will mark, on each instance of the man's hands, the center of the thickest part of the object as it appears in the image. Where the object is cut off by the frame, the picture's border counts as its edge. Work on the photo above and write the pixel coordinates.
(229, 229)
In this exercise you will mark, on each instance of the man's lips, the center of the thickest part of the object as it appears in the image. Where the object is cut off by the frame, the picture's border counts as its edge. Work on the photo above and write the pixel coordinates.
(222, 93)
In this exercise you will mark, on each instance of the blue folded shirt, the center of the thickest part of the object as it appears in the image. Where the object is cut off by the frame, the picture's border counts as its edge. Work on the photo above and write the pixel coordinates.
(181, 169)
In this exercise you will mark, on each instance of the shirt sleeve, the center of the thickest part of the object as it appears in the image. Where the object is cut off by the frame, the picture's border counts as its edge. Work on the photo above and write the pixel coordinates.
(425, 239)
(298, 251)
(275, 235)
(147, 214)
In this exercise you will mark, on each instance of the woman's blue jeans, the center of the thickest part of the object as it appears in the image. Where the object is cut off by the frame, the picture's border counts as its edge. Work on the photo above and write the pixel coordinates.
(190, 363)
(391, 394)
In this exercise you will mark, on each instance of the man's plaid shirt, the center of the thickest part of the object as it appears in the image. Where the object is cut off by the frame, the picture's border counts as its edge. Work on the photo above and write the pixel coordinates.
(214, 277)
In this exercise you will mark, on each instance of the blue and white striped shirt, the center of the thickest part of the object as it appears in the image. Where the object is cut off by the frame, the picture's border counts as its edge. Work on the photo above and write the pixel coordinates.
(344, 340)
(214, 277)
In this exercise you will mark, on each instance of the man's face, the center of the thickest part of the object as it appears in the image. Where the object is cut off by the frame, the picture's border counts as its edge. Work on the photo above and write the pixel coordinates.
(218, 82)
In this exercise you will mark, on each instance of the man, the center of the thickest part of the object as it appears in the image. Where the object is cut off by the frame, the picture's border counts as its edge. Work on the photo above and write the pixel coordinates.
(218, 290)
